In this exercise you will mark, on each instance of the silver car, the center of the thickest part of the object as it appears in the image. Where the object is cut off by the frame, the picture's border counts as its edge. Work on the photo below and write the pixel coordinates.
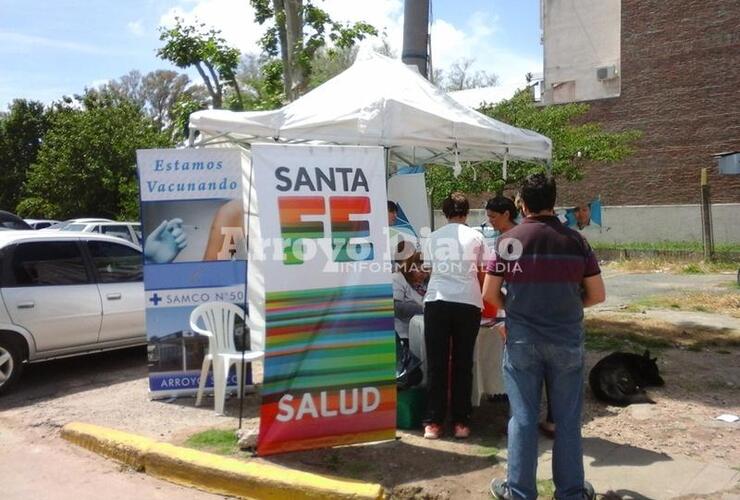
(65, 293)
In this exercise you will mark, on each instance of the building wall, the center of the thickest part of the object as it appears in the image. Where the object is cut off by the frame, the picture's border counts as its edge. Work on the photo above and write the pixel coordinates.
(580, 36)
(650, 224)
(680, 85)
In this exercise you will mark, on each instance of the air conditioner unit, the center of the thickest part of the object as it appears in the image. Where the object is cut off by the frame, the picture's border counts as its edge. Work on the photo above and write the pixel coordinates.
(606, 72)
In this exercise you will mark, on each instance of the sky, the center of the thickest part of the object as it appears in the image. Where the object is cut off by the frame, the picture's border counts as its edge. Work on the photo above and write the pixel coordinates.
(52, 48)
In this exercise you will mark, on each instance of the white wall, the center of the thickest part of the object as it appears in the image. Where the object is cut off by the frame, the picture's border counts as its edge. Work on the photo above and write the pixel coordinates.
(651, 223)
(579, 36)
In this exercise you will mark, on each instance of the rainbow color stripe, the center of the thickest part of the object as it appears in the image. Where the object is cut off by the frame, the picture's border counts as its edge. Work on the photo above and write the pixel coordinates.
(293, 228)
(325, 341)
(343, 228)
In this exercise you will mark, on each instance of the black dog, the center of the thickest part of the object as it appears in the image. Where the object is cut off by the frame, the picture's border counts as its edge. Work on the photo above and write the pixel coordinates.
(620, 378)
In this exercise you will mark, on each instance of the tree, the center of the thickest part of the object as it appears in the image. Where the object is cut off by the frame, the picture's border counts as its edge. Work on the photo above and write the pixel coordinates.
(156, 94)
(262, 81)
(461, 76)
(329, 63)
(198, 46)
(87, 162)
(22, 130)
(573, 144)
(299, 29)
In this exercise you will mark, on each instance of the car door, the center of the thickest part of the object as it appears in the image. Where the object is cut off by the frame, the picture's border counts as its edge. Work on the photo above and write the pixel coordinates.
(118, 269)
(49, 291)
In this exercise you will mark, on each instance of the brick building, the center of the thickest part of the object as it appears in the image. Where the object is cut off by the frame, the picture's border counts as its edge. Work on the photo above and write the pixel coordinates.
(669, 69)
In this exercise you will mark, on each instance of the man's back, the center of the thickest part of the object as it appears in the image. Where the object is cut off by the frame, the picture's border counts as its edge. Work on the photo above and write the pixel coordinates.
(544, 268)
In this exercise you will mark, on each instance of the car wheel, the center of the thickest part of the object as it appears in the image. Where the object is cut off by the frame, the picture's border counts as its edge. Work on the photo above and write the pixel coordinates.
(11, 363)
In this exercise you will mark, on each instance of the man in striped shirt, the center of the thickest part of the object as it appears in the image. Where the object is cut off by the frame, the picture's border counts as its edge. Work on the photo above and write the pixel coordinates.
(551, 274)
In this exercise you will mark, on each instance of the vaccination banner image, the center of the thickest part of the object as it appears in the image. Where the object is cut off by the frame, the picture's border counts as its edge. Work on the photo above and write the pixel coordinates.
(194, 252)
(329, 372)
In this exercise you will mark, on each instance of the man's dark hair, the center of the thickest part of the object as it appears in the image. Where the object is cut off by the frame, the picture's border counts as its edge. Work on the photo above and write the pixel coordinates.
(392, 207)
(455, 205)
(538, 192)
(501, 204)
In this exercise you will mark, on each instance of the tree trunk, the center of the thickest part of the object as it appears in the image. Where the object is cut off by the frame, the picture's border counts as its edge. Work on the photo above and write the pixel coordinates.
(218, 87)
(215, 98)
(279, 8)
(294, 43)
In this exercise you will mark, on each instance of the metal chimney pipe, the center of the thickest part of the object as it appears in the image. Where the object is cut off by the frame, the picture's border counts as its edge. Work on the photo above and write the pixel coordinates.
(416, 34)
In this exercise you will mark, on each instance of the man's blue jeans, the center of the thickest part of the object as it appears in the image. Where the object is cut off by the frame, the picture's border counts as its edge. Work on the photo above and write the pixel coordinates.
(525, 366)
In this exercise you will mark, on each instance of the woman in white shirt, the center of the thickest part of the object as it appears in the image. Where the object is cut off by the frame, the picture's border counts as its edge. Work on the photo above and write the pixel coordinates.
(452, 312)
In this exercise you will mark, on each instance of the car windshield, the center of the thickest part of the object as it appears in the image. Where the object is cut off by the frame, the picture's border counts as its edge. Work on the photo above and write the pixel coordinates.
(73, 227)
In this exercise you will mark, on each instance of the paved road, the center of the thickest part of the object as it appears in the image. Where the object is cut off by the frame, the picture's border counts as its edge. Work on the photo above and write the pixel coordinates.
(108, 389)
(37, 466)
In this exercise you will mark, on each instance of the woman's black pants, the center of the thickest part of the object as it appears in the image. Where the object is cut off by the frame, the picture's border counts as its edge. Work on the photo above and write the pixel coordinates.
(450, 328)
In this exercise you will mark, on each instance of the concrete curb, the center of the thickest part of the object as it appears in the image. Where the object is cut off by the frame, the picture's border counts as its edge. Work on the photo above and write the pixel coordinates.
(214, 473)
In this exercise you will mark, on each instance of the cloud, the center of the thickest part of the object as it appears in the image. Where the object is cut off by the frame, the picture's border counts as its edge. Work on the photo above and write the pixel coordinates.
(450, 42)
(136, 28)
(476, 41)
(18, 42)
(235, 19)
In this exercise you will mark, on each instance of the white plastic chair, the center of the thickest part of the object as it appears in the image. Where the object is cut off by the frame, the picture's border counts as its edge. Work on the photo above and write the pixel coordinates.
(219, 319)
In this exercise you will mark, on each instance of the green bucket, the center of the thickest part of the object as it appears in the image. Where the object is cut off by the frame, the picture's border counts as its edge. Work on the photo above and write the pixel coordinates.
(410, 407)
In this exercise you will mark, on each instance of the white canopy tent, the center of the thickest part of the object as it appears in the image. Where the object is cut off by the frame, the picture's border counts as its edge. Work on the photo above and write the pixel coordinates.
(380, 101)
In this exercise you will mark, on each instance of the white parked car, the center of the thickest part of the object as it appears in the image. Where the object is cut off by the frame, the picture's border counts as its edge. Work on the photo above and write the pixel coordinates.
(40, 223)
(64, 293)
(130, 231)
(65, 223)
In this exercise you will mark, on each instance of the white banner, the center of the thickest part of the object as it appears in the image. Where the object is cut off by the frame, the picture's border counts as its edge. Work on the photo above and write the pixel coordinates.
(330, 345)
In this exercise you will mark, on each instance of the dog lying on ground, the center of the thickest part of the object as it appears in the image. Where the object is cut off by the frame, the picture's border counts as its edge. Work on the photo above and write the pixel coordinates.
(620, 378)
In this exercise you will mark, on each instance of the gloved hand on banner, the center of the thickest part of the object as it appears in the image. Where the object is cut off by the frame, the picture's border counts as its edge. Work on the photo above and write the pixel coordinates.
(165, 243)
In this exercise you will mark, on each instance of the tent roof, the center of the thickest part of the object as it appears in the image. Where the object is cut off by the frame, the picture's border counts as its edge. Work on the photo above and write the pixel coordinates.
(380, 101)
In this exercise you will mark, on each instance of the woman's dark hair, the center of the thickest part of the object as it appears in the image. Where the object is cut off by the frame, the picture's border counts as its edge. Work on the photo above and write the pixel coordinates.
(538, 192)
(392, 207)
(501, 204)
(455, 205)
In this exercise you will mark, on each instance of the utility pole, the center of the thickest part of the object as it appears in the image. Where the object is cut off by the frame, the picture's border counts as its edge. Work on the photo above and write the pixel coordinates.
(416, 35)
(706, 218)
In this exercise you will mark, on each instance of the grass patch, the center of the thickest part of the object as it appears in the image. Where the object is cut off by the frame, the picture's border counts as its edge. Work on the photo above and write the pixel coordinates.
(632, 332)
(671, 266)
(721, 302)
(488, 452)
(681, 246)
(219, 441)
(546, 488)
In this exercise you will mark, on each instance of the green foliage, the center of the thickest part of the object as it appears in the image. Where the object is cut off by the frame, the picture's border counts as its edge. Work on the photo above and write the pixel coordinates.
(87, 162)
(204, 48)
(21, 132)
(181, 111)
(262, 81)
(298, 41)
(573, 144)
(328, 63)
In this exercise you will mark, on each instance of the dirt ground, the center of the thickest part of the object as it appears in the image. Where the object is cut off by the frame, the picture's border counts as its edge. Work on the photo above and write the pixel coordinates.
(699, 387)
(702, 380)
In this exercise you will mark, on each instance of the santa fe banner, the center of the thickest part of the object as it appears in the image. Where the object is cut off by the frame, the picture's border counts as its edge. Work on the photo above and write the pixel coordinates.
(330, 344)
(193, 226)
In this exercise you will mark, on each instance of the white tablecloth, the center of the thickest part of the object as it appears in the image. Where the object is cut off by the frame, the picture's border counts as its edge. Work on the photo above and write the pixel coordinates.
(487, 358)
